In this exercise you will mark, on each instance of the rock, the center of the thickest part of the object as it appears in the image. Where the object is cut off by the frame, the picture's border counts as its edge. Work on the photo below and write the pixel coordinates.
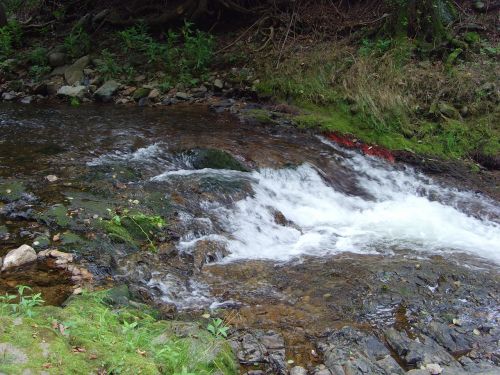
(27, 100)
(154, 94)
(218, 84)
(51, 178)
(106, 91)
(57, 59)
(72, 91)
(140, 93)
(182, 96)
(53, 86)
(143, 102)
(298, 370)
(74, 73)
(418, 353)
(434, 368)
(448, 110)
(8, 96)
(18, 257)
(479, 5)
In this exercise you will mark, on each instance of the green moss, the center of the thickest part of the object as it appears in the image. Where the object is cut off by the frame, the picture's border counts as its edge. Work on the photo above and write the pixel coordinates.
(215, 159)
(94, 337)
(133, 229)
(11, 190)
(261, 115)
(57, 214)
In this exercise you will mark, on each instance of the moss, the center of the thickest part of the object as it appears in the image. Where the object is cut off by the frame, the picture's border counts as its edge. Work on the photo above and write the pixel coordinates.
(140, 93)
(87, 336)
(133, 229)
(215, 159)
(11, 190)
(260, 115)
(57, 214)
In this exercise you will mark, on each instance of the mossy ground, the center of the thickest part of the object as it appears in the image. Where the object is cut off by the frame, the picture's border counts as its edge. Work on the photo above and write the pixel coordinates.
(385, 93)
(88, 336)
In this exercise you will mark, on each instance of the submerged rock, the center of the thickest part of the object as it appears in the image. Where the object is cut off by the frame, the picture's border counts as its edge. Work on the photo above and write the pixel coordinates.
(24, 254)
(215, 159)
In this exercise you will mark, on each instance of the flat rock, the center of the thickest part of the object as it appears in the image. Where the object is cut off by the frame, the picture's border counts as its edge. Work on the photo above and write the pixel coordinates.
(12, 355)
(22, 255)
(72, 91)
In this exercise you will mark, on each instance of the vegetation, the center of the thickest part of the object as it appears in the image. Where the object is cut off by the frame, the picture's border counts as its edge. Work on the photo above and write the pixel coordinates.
(133, 228)
(77, 43)
(380, 92)
(24, 305)
(91, 336)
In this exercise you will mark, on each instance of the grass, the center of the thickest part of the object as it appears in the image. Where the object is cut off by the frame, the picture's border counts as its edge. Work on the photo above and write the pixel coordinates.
(380, 93)
(90, 336)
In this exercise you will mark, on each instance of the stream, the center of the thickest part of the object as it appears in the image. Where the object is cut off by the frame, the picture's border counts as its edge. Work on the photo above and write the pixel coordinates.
(276, 229)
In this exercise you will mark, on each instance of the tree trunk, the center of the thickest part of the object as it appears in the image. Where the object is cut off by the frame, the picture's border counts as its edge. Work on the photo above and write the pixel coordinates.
(423, 20)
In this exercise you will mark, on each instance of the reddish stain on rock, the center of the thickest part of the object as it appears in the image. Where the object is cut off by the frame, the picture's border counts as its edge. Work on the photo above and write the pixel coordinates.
(372, 150)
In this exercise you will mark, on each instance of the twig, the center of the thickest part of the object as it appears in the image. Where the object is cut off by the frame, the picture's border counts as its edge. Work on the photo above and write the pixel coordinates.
(286, 37)
(241, 35)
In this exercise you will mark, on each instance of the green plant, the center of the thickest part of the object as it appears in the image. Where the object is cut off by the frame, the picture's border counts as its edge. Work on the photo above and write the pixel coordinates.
(74, 102)
(10, 37)
(132, 228)
(218, 328)
(108, 67)
(377, 47)
(38, 56)
(197, 51)
(25, 303)
(38, 71)
(77, 43)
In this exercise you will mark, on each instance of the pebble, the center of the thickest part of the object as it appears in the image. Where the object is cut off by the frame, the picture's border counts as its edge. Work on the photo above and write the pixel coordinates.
(51, 178)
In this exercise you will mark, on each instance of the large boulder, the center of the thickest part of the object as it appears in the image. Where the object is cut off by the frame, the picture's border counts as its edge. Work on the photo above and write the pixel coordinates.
(74, 73)
(106, 91)
(72, 91)
(22, 255)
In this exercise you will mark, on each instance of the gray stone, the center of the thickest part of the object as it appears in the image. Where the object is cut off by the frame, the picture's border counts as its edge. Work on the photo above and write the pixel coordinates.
(417, 372)
(106, 91)
(74, 73)
(218, 84)
(22, 255)
(298, 370)
(9, 96)
(27, 100)
(390, 365)
(57, 59)
(72, 91)
(182, 96)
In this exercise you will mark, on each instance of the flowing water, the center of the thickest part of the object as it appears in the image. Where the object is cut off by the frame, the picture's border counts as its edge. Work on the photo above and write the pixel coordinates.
(293, 241)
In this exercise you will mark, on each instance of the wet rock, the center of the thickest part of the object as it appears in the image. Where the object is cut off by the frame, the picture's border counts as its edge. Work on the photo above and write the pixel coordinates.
(418, 353)
(74, 73)
(215, 159)
(24, 254)
(207, 251)
(56, 59)
(51, 178)
(358, 352)
(106, 91)
(298, 370)
(72, 91)
(261, 347)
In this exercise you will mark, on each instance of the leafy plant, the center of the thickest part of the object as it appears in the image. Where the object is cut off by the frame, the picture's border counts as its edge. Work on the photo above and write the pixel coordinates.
(218, 328)
(77, 43)
(131, 228)
(38, 71)
(10, 36)
(74, 102)
(25, 303)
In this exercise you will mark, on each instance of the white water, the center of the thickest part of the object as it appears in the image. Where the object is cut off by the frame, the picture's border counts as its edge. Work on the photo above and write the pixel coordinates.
(399, 216)
(328, 222)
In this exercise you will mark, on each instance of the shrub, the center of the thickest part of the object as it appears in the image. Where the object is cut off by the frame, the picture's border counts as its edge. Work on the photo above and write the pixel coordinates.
(77, 43)
(10, 37)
